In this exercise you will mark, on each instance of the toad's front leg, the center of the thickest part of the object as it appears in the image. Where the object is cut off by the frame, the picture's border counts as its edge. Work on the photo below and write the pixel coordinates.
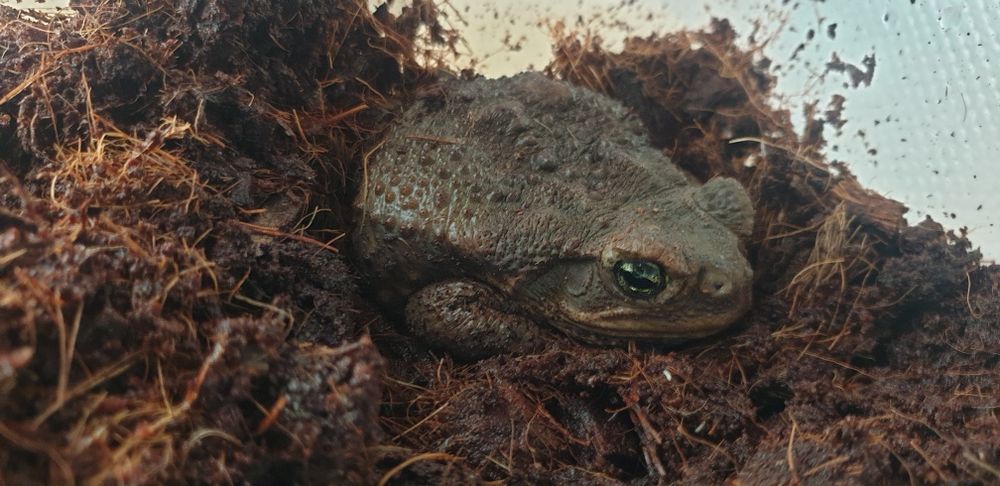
(470, 320)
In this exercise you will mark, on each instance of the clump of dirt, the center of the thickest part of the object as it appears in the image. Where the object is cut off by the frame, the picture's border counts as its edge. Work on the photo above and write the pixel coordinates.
(173, 306)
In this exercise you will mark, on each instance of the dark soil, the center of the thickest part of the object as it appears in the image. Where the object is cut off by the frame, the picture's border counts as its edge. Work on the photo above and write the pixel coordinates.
(174, 307)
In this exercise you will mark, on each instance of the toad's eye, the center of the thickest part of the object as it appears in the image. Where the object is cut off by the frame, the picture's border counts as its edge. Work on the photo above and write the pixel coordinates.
(638, 278)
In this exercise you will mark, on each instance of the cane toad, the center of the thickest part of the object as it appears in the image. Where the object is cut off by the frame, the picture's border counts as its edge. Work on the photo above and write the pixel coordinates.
(497, 205)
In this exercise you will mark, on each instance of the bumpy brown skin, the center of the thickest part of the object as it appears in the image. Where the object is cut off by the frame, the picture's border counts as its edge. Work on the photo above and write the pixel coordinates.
(500, 204)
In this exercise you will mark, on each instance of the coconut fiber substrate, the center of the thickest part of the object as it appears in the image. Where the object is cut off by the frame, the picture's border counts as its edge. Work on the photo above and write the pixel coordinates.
(175, 306)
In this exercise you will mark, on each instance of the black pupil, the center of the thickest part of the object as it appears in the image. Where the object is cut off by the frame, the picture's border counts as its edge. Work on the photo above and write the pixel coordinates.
(639, 278)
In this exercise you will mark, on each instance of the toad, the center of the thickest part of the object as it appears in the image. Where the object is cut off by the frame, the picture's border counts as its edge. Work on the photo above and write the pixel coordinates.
(496, 206)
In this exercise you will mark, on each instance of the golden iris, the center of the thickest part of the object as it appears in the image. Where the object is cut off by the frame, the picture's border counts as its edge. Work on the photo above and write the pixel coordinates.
(639, 278)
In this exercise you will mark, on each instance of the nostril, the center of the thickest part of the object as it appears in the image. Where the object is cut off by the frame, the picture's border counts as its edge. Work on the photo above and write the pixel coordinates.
(715, 283)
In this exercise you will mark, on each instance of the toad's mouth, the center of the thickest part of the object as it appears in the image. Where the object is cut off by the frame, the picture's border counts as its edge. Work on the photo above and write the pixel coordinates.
(625, 323)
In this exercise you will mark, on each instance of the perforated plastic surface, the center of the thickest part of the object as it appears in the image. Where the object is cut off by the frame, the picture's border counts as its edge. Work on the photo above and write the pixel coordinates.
(923, 132)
